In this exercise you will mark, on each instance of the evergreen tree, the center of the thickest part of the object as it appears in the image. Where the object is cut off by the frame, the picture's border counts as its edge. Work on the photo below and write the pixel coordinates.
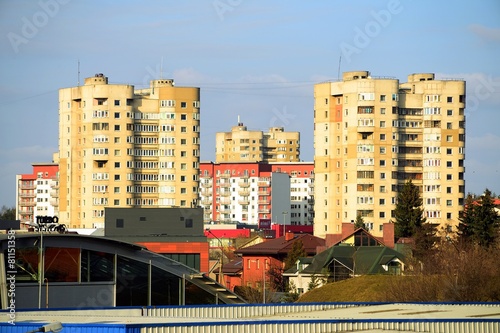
(295, 253)
(7, 213)
(359, 223)
(465, 226)
(409, 212)
(485, 222)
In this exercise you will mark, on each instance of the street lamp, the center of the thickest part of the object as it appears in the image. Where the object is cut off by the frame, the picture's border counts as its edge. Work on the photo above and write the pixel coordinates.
(284, 216)
(221, 274)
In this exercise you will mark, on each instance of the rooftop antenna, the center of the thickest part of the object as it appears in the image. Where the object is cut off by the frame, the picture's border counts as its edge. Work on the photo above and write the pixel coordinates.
(78, 72)
(338, 72)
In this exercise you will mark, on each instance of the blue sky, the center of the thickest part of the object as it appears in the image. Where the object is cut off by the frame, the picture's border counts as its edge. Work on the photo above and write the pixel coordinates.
(257, 59)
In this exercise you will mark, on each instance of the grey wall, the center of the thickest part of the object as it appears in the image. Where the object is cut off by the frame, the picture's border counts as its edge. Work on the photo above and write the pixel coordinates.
(153, 222)
(66, 295)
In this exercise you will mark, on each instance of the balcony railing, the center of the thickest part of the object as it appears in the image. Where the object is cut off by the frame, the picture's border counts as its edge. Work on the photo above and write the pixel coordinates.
(243, 184)
(27, 195)
(263, 193)
(225, 184)
(244, 202)
(225, 175)
(225, 194)
(206, 201)
(244, 193)
(264, 210)
(54, 202)
(263, 183)
(206, 184)
(27, 187)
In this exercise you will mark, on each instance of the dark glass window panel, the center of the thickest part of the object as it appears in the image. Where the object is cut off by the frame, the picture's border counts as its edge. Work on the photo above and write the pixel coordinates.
(164, 288)
(132, 283)
(97, 266)
(61, 264)
(26, 264)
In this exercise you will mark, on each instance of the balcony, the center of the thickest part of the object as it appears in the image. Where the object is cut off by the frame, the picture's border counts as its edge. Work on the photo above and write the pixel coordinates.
(54, 193)
(206, 184)
(243, 184)
(263, 193)
(54, 202)
(206, 201)
(263, 183)
(27, 203)
(264, 210)
(244, 202)
(225, 194)
(225, 201)
(263, 202)
(310, 184)
(206, 192)
(310, 210)
(225, 211)
(310, 201)
(27, 186)
(54, 185)
(225, 175)
(27, 195)
(244, 192)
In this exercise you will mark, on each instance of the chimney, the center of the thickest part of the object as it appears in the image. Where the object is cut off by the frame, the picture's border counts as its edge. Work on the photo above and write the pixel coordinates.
(289, 236)
(388, 234)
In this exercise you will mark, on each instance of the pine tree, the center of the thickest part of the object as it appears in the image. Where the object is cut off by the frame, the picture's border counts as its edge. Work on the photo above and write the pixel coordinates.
(409, 212)
(466, 224)
(295, 253)
(7, 213)
(486, 221)
(359, 223)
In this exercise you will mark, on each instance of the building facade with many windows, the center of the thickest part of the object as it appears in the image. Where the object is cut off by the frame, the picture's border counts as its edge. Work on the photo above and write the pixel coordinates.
(251, 192)
(371, 135)
(121, 147)
(37, 193)
(243, 145)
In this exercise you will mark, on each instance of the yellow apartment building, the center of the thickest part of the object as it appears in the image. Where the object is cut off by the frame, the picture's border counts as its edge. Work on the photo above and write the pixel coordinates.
(243, 145)
(122, 147)
(372, 134)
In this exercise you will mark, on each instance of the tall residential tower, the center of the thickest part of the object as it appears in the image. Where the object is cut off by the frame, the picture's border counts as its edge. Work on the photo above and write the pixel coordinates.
(243, 145)
(371, 135)
(120, 147)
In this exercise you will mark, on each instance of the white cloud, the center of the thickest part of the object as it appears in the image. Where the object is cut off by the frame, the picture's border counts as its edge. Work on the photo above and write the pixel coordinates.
(485, 33)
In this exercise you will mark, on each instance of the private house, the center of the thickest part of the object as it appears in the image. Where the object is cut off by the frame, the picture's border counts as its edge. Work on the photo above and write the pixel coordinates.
(358, 253)
(259, 258)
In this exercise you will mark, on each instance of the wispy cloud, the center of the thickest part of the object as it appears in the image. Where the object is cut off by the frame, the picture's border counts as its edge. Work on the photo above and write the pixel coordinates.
(485, 33)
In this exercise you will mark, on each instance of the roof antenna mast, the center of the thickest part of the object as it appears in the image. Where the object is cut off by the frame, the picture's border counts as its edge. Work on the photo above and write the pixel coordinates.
(78, 72)
(338, 72)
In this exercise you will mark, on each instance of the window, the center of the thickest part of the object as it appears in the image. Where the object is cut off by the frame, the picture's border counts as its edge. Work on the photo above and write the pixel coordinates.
(183, 116)
(382, 162)
(449, 164)
(382, 98)
(448, 189)
(117, 102)
(449, 203)
(183, 129)
(117, 164)
(117, 127)
(449, 138)
(382, 137)
(117, 177)
(382, 124)
(382, 110)
(449, 112)
(449, 176)
(382, 150)
(382, 175)
(449, 99)
(183, 105)
(449, 151)
(381, 214)
(117, 114)
(448, 125)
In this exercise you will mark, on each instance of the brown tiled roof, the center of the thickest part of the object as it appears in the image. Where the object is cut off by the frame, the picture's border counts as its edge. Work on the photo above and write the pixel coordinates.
(280, 245)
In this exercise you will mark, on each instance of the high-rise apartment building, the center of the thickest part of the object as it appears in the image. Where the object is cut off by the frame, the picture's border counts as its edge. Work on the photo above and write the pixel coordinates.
(251, 192)
(37, 193)
(371, 135)
(243, 145)
(121, 147)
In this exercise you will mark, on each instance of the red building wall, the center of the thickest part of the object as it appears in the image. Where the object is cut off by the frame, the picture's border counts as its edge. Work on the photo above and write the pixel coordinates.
(184, 248)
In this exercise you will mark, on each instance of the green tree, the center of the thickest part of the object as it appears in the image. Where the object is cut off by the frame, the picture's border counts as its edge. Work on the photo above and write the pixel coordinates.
(359, 223)
(480, 222)
(409, 212)
(465, 226)
(294, 254)
(7, 213)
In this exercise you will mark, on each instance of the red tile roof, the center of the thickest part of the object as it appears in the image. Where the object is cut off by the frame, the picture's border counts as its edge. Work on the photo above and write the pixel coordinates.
(282, 246)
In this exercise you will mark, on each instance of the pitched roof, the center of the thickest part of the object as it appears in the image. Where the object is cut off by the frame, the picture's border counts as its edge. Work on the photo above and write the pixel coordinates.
(281, 246)
(361, 260)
